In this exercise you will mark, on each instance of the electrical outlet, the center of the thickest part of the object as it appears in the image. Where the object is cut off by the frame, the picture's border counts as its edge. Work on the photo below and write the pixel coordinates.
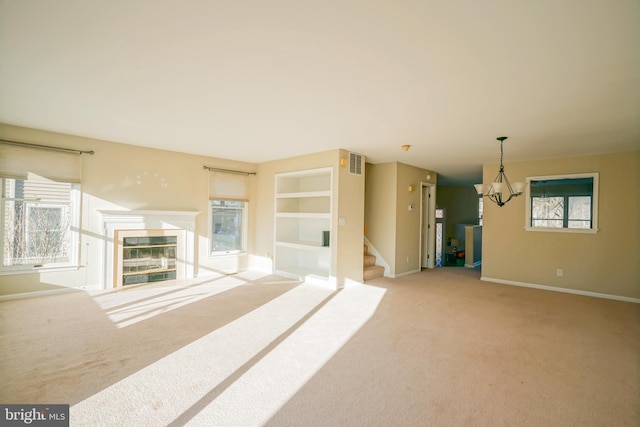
(559, 272)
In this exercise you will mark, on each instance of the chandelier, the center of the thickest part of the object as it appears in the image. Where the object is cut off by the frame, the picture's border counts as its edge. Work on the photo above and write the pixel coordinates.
(500, 191)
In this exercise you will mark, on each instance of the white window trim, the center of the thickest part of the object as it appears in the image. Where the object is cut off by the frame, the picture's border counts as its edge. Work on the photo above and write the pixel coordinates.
(245, 232)
(594, 218)
(74, 241)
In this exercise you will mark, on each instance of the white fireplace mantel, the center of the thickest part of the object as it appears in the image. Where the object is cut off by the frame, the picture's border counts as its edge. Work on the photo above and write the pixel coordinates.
(113, 220)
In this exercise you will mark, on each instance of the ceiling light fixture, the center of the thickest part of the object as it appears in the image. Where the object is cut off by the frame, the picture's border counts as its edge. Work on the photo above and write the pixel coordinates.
(405, 147)
(497, 191)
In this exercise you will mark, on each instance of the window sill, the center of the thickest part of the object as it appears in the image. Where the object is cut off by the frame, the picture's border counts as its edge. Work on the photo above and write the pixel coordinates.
(36, 270)
(564, 230)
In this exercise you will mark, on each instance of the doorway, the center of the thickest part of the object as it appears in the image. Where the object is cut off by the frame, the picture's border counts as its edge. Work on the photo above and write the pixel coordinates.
(427, 225)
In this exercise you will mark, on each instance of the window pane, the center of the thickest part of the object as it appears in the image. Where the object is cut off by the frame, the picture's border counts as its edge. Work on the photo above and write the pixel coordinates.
(227, 203)
(36, 222)
(547, 223)
(547, 212)
(227, 226)
(579, 212)
(47, 236)
(579, 224)
(580, 207)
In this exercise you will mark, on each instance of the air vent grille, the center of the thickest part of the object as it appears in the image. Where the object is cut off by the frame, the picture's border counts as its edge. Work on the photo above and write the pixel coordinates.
(355, 163)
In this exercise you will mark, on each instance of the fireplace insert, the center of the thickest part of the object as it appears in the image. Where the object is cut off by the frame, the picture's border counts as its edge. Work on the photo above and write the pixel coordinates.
(148, 259)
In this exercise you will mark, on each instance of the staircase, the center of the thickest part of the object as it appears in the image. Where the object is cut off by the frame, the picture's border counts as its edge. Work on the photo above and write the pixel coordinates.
(371, 270)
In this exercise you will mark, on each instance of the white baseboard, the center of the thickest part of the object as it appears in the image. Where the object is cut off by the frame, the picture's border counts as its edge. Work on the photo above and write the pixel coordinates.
(565, 290)
(406, 273)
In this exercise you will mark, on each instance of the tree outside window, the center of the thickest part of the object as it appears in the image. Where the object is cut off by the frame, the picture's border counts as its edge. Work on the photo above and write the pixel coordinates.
(37, 217)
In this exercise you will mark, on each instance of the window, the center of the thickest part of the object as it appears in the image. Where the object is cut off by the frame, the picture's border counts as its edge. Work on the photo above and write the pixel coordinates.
(40, 219)
(562, 203)
(228, 226)
(480, 209)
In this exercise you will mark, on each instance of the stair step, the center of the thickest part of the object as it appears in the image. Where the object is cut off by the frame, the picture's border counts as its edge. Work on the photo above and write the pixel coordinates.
(372, 272)
(369, 260)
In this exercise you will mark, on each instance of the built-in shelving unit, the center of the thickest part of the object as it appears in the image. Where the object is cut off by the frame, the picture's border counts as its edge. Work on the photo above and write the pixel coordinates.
(303, 224)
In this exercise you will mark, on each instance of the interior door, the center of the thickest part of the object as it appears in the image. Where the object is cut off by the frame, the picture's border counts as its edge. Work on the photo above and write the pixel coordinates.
(427, 231)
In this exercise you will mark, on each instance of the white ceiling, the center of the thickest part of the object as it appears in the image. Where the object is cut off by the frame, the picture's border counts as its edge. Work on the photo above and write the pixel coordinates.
(257, 80)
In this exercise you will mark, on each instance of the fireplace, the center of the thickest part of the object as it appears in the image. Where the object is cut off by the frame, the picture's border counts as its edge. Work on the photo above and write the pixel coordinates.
(148, 246)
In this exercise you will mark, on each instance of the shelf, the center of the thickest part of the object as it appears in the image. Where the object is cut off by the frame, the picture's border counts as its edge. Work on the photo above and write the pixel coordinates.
(306, 194)
(304, 204)
(309, 181)
(302, 223)
(310, 215)
(302, 228)
(303, 245)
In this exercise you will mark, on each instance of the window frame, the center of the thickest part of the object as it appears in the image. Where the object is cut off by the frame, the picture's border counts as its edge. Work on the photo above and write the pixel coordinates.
(594, 203)
(244, 228)
(74, 206)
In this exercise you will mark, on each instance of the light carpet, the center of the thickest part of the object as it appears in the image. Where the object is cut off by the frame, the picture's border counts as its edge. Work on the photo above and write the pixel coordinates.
(437, 348)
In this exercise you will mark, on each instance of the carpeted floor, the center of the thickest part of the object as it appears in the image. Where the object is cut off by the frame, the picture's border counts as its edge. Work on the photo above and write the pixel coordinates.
(438, 348)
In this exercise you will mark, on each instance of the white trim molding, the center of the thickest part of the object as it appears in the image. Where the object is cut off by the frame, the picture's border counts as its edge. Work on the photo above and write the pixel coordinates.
(594, 212)
(557, 289)
(406, 273)
(117, 220)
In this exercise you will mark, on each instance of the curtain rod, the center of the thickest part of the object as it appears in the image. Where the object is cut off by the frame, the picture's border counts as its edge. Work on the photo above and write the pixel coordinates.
(228, 171)
(44, 147)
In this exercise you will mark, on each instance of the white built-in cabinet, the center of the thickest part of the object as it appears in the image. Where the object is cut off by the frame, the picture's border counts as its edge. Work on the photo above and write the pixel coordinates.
(303, 224)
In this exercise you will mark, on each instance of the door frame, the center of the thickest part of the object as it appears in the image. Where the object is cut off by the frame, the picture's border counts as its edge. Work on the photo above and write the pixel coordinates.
(427, 224)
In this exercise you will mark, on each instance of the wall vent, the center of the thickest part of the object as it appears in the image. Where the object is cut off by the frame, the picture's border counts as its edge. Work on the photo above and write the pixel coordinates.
(355, 163)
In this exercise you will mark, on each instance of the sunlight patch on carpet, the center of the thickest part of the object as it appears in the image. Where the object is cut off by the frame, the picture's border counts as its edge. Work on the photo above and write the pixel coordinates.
(125, 308)
(161, 392)
(255, 397)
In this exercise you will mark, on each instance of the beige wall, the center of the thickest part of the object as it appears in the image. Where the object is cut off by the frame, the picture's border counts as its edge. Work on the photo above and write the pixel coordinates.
(607, 262)
(392, 228)
(126, 177)
(380, 209)
(408, 221)
(350, 260)
(120, 176)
